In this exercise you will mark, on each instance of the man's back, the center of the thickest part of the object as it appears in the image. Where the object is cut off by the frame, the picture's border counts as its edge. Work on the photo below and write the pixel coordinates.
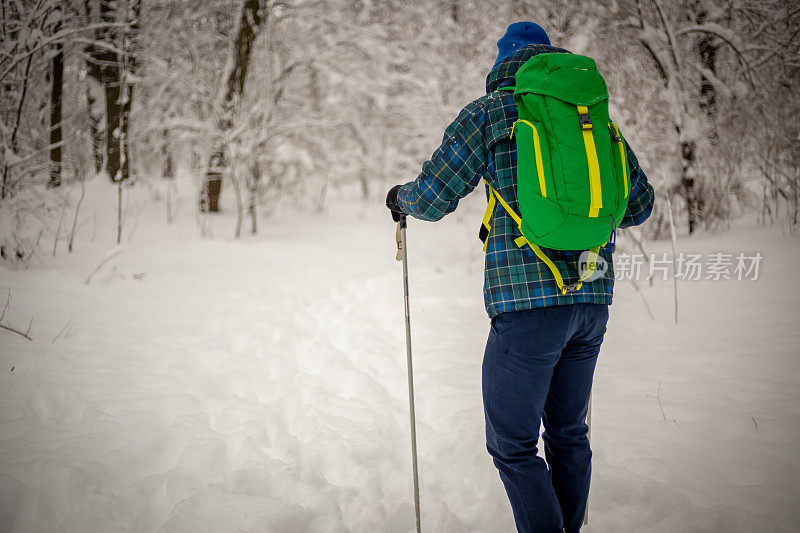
(476, 146)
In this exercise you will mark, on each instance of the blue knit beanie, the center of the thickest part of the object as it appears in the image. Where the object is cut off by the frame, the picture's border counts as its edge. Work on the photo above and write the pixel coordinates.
(518, 35)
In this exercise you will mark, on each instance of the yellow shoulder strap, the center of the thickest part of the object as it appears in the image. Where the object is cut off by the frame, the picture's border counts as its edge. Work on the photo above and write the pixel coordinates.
(486, 223)
(511, 212)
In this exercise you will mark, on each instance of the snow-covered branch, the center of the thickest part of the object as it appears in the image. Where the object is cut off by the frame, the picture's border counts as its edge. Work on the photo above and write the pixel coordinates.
(59, 37)
(720, 86)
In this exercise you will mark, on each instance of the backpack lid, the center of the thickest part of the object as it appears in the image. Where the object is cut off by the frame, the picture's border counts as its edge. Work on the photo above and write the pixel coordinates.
(569, 77)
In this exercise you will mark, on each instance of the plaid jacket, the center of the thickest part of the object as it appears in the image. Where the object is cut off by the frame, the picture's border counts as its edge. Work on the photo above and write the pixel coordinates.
(477, 146)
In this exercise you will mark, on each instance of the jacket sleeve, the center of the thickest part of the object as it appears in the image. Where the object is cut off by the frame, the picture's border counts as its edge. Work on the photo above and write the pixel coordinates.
(640, 202)
(454, 169)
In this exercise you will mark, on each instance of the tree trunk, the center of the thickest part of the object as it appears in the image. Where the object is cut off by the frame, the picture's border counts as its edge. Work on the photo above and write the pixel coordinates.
(109, 68)
(107, 62)
(250, 20)
(124, 141)
(167, 171)
(253, 183)
(55, 116)
(795, 208)
(707, 50)
(113, 115)
(239, 208)
(708, 58)
(212, 185)
(119, 212)
(167, 168)
(127, 65)
(316, 108)
(95, 112)
(693, 204)
(94, 93)
(5, 189)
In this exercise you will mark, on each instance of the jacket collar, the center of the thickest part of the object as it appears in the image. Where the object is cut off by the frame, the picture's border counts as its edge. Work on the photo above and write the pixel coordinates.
(503, 74)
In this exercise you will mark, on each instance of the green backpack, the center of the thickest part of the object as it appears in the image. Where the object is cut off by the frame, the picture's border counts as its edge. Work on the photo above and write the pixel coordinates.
(572, 172)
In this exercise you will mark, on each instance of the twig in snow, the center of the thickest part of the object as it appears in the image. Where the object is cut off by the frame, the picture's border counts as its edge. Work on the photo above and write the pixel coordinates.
(60, 222)
(5, 307)
(58, 232)
(18, 332)
(65, 328)
(674, 253)
(75, 219)
(101, 265)
(663, 414)
(640, 245)
(641, 293)
(9, 328)
(135, 222)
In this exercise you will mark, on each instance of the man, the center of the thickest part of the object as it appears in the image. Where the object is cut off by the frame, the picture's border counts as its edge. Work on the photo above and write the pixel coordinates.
(543, 344)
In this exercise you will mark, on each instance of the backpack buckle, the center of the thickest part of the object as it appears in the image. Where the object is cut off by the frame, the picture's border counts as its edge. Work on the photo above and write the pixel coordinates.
(585, 120)
(572, 287)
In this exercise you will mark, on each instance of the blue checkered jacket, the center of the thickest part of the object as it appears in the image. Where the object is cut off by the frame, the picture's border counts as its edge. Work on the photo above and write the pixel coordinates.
(477, 146)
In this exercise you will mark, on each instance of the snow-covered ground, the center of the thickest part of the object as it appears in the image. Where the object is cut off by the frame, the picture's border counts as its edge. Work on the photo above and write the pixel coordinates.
(259, 385)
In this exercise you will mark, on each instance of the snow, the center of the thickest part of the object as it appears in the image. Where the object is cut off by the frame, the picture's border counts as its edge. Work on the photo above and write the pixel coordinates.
(260, 385)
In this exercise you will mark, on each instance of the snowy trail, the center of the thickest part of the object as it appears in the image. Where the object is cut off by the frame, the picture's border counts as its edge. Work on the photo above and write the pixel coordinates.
(260, 386)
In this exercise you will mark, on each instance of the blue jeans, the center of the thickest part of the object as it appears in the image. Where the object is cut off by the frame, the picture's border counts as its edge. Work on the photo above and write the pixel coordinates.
(538, 366)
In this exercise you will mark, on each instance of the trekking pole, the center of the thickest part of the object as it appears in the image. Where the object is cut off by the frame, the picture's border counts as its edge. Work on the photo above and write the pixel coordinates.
(589, 438)
(402, 255)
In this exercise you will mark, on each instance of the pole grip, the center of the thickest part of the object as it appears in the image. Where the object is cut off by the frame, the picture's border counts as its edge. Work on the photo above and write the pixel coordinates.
(401, 225)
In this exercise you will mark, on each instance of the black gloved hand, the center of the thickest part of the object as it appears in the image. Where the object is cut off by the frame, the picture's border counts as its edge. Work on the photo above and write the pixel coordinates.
(391, 203)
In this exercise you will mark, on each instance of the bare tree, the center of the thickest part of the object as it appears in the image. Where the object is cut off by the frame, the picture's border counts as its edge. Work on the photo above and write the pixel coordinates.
(56, 92)
(251, 17)
(710, 80)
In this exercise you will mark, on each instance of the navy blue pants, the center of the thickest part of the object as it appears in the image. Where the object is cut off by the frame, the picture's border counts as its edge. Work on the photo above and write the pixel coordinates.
(538, 367)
